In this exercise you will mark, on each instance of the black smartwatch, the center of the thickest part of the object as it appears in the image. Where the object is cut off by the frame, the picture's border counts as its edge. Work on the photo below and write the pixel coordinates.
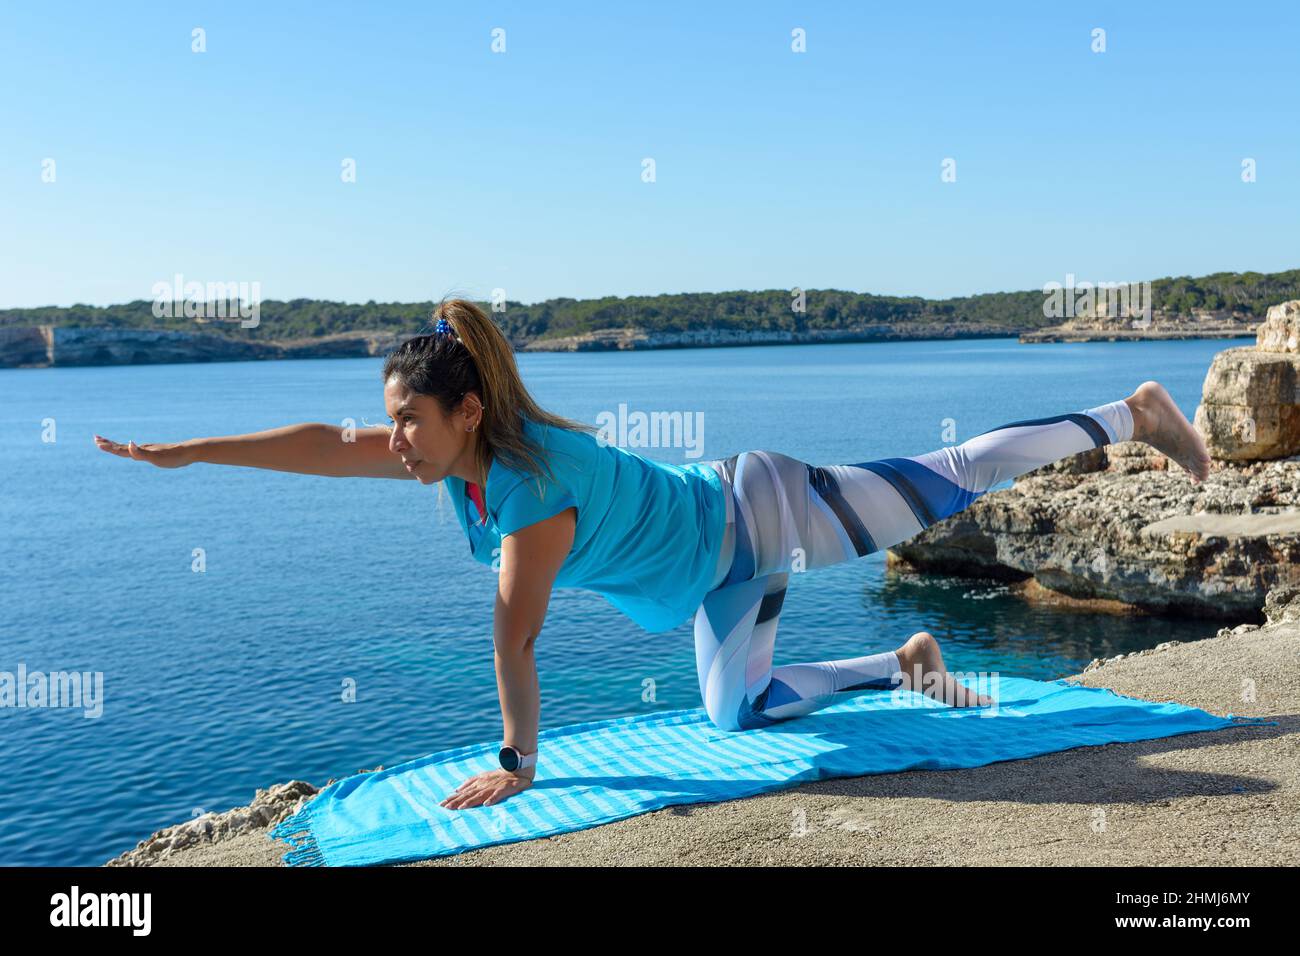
(512, 759)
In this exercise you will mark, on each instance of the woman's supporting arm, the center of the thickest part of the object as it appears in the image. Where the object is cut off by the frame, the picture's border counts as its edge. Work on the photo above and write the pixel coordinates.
(530, 559)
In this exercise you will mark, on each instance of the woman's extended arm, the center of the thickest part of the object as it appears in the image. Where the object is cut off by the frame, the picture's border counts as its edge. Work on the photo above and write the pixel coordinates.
(530, 560)
(310, 448)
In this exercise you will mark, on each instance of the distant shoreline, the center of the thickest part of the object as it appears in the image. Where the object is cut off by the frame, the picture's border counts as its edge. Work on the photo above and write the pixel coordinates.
(74, 346)
(209, 322)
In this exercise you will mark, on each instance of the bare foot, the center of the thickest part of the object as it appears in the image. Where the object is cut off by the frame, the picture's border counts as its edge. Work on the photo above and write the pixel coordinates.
(1160, 423)
(924, 671)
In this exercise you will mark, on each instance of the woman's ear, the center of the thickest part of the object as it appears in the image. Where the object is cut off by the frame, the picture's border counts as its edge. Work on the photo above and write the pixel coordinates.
(474, 410)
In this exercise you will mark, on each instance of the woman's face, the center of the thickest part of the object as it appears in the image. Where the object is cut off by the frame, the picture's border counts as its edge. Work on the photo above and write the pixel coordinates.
(432, 445)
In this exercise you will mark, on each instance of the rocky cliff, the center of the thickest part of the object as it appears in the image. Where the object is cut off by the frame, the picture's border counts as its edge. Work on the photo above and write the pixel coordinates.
(1120, 524)
(635, 338)
(42, 346)
(1163, 325)
(1250, 403)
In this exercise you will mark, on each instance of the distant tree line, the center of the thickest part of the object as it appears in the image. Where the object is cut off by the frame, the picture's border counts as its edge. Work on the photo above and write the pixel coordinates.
(1246, 295)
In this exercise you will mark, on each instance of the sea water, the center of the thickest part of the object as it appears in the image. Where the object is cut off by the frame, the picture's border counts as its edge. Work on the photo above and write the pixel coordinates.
(250, 627)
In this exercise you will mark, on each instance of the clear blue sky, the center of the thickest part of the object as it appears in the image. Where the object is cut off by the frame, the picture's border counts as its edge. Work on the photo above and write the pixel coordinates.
(522, 170)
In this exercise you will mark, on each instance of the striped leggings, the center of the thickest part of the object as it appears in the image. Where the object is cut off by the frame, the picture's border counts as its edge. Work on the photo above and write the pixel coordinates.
(785, 516)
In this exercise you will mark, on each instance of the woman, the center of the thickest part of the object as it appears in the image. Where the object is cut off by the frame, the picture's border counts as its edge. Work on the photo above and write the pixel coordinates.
(546, 503)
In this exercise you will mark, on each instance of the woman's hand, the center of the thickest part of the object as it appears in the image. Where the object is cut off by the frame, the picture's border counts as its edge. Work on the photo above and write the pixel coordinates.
(487, 788)
(164, 455)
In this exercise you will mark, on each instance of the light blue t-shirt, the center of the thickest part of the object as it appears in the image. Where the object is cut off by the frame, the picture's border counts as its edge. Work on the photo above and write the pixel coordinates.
(648, 533)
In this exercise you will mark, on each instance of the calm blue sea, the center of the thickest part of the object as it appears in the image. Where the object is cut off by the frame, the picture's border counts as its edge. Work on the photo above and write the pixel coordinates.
(220, 682)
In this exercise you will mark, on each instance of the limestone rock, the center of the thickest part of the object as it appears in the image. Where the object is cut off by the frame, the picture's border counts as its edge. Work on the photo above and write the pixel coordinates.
(22, 346)
(1094, 459)
(1116, 327)
(39, 346)
(1137, 533)
(633, 338)
(1250, 405)
(1282, 605)
(268, 808)
(70, 345)
(1280, 331)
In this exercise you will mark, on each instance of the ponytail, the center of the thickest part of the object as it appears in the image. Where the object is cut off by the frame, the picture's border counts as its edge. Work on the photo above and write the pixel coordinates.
(478, 358)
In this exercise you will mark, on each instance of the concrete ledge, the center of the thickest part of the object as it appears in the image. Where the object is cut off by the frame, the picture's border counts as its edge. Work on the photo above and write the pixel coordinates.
(1252, 525)
(1227, 797)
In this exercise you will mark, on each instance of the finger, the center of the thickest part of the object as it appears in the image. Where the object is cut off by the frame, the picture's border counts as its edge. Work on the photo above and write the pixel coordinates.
(468, 799)
(480, 791)
(455, 799)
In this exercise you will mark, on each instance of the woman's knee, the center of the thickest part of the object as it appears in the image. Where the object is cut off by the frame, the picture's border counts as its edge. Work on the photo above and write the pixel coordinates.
(722, 713)
(725, 722)
(725, 713)
(742, 719)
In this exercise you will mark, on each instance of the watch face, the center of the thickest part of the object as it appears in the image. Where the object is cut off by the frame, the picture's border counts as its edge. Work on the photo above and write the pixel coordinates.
(509, 758)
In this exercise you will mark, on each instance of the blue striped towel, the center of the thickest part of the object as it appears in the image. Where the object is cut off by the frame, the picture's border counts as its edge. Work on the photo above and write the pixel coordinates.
(597, 772)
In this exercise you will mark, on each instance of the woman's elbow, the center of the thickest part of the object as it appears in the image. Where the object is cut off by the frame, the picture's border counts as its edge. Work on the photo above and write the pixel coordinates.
(517, 640)
(518, 622)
